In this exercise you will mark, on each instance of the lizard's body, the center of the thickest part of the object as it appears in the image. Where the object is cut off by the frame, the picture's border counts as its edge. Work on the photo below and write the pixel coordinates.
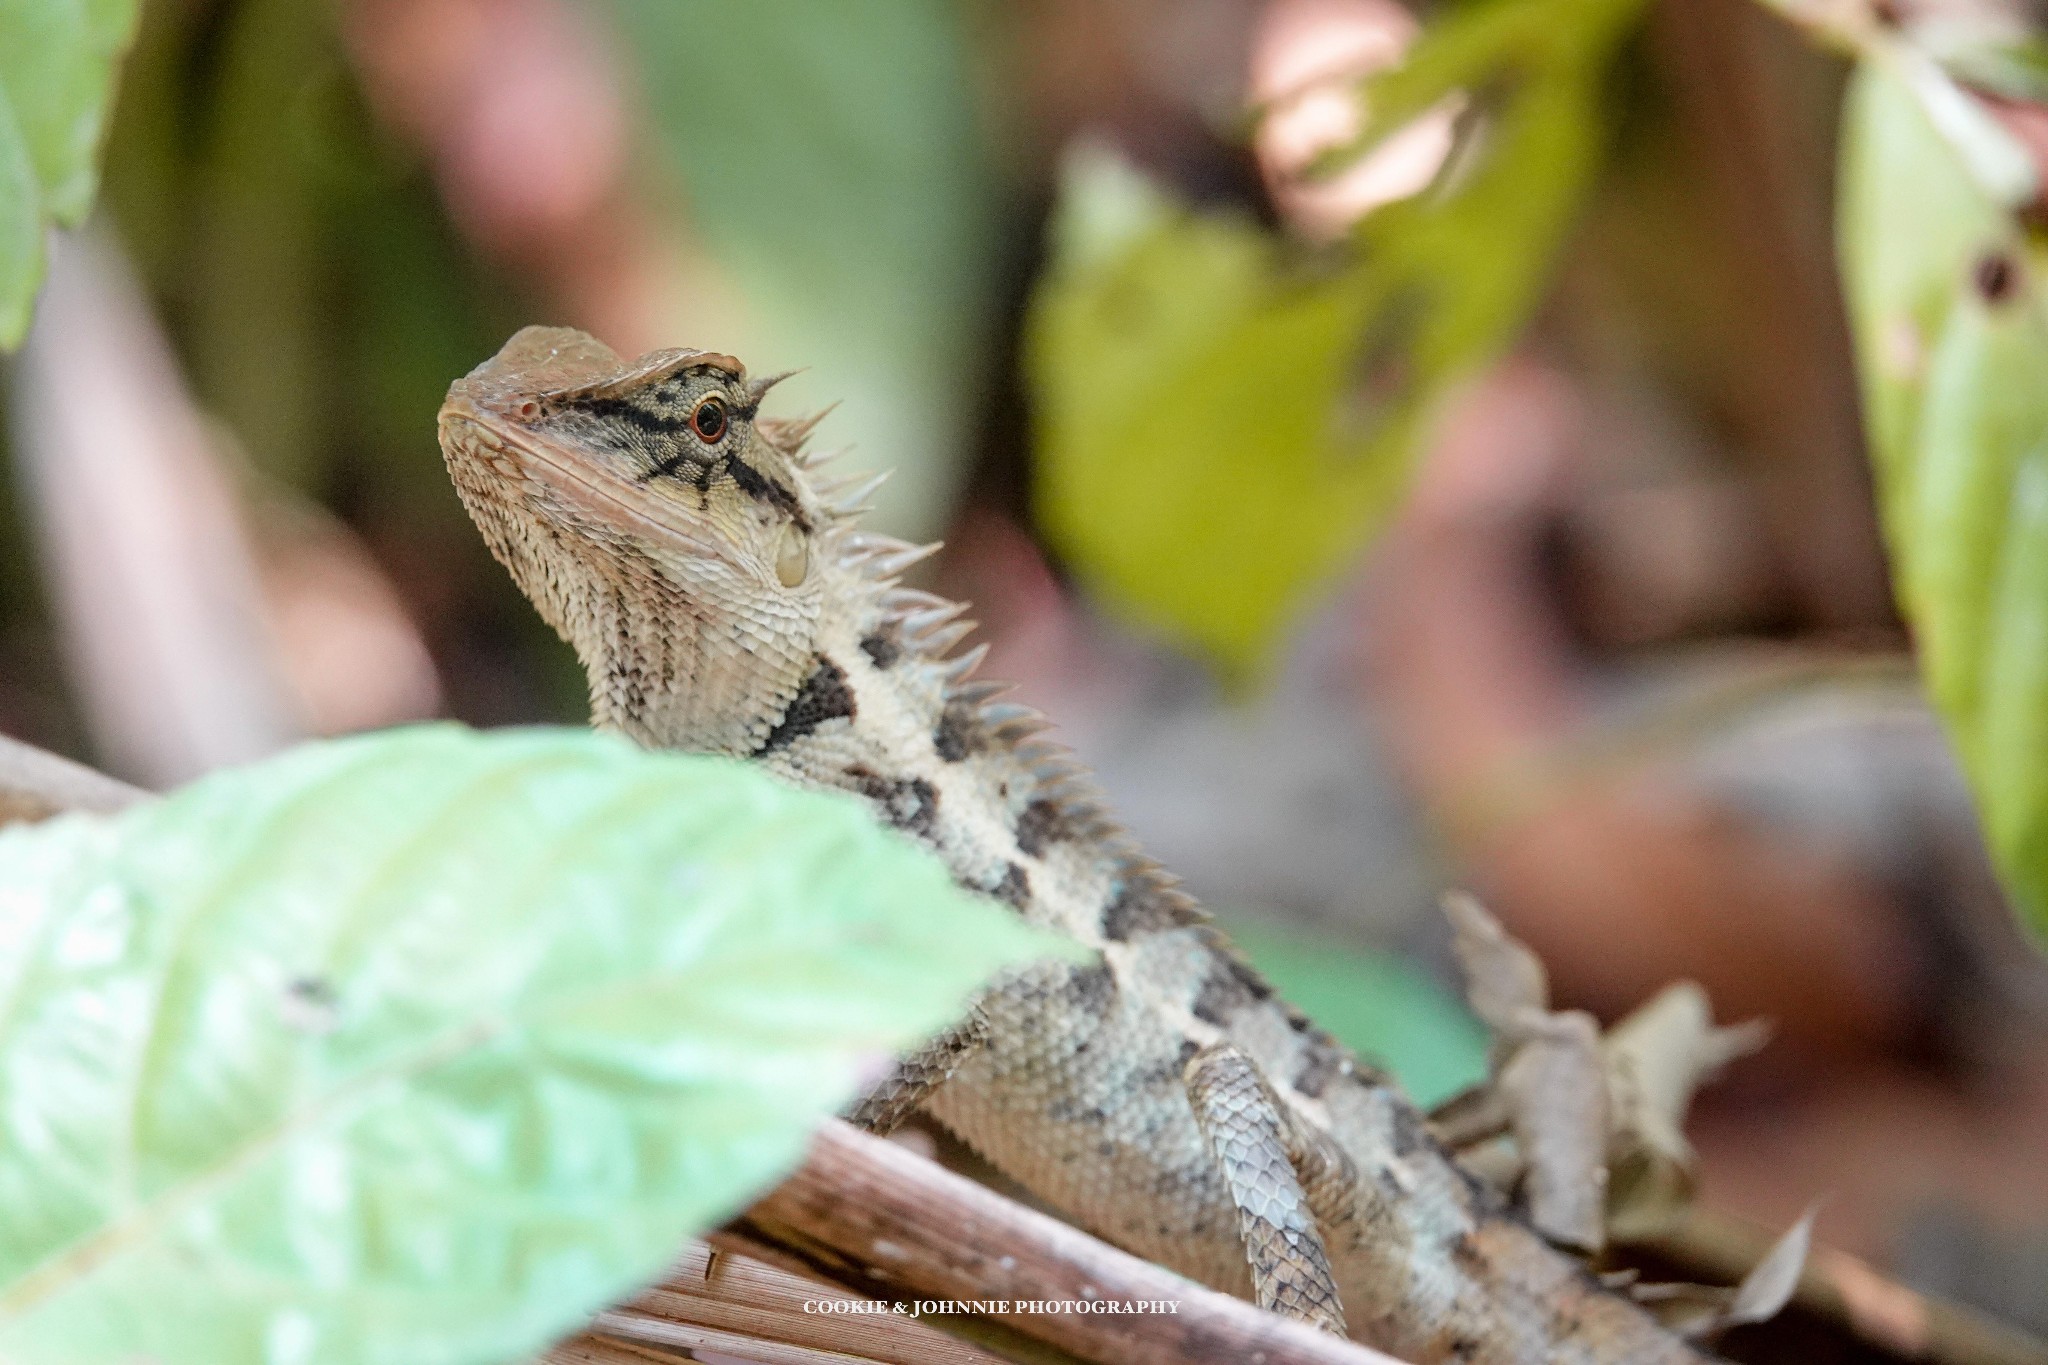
(722, 604)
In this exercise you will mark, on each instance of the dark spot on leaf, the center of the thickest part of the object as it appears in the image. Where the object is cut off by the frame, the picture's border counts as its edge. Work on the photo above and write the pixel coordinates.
(824, 696)
(1996, 277)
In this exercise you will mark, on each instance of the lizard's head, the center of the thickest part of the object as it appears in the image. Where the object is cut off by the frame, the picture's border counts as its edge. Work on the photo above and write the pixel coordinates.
(645, 511)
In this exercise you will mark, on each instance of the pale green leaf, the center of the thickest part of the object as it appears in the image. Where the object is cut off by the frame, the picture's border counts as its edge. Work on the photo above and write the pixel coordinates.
(419, 1047)
(57, 65)
(1222, 419)
(1951, 328)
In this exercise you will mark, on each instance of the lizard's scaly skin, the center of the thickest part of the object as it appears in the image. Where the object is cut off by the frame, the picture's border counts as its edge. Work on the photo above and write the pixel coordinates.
(722, 600)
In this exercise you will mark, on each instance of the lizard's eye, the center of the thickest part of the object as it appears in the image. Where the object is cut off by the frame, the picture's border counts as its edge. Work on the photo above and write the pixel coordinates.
(707, 419)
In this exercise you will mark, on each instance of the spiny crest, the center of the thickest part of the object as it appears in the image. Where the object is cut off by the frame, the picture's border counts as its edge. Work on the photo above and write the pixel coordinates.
(926, 628)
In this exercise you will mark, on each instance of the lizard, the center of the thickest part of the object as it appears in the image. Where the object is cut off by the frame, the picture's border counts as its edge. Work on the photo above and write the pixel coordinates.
(722, 598)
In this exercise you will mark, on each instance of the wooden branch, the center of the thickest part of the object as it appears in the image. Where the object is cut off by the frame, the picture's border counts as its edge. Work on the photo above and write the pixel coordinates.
(35, 785)
(1851, 1295)
(900, 1223)
(738, 1304)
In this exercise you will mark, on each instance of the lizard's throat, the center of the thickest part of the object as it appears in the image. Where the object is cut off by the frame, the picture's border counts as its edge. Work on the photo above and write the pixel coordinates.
(669, 674)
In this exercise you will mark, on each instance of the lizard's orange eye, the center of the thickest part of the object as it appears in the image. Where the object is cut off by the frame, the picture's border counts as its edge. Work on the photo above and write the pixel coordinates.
(707, 419)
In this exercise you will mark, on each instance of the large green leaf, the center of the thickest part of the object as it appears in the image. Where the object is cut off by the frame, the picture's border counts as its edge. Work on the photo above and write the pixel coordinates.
(1951, 326)
(57, 61)
(1223, 420)
(839, 172)
(419, 1047)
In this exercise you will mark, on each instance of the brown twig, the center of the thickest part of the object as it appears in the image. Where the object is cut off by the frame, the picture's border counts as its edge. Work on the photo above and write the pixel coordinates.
(1849, 1294)
(893, 1221)
(35, 785)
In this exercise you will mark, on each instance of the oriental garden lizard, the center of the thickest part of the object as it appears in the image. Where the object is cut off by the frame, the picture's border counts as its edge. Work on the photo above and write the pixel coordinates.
(722, 599)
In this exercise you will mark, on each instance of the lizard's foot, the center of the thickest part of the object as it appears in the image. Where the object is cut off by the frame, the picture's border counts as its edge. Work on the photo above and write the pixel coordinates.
(915, 1076)
(1250, 1137)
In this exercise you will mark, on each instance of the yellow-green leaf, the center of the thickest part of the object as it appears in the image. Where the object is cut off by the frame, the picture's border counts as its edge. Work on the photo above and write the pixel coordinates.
(1951, 327)
(57, 64)
(1223, 418)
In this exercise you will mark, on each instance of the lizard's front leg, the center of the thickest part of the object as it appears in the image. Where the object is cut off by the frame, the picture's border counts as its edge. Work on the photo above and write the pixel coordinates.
(917, 1074)
(1260, 1154)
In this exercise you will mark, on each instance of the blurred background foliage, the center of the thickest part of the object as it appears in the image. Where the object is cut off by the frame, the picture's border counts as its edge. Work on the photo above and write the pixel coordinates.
(1398, 446)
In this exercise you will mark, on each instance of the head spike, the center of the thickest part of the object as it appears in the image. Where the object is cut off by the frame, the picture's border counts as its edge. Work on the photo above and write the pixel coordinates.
(975, 693)
(903, 601)
(919, 622)
(944, 638)
(797, 430)
(849, 500)
(895, 562)
(757, 389)
(953, 670)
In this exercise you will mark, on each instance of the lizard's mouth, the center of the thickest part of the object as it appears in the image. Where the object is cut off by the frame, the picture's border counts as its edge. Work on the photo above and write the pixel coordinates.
(591, 491)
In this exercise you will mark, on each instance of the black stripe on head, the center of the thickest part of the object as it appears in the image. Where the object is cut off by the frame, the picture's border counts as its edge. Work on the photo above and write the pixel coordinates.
(824, 696)
(763, 489)
(654, 418)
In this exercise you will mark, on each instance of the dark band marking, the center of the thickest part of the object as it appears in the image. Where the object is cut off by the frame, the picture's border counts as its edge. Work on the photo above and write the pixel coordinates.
(1015, 887)
(959, 732)
(647, 417)
(761, 488)
(1044, 822)
(1143, 906)
(1230, 987)
(910, 804)
(1408, 1135)
(1091, 990)
(1322, 1061)
(883, 648)
(824, 696)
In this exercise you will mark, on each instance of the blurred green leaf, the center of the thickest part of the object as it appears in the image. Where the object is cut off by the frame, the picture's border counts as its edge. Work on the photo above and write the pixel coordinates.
(1376, 1005)
(1951, 329)
(1224, 418)
(837, 166)
(57, 61)
(422, 1046)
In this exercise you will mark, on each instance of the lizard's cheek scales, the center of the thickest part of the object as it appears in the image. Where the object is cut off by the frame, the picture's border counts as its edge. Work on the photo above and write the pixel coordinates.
(793, 558)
